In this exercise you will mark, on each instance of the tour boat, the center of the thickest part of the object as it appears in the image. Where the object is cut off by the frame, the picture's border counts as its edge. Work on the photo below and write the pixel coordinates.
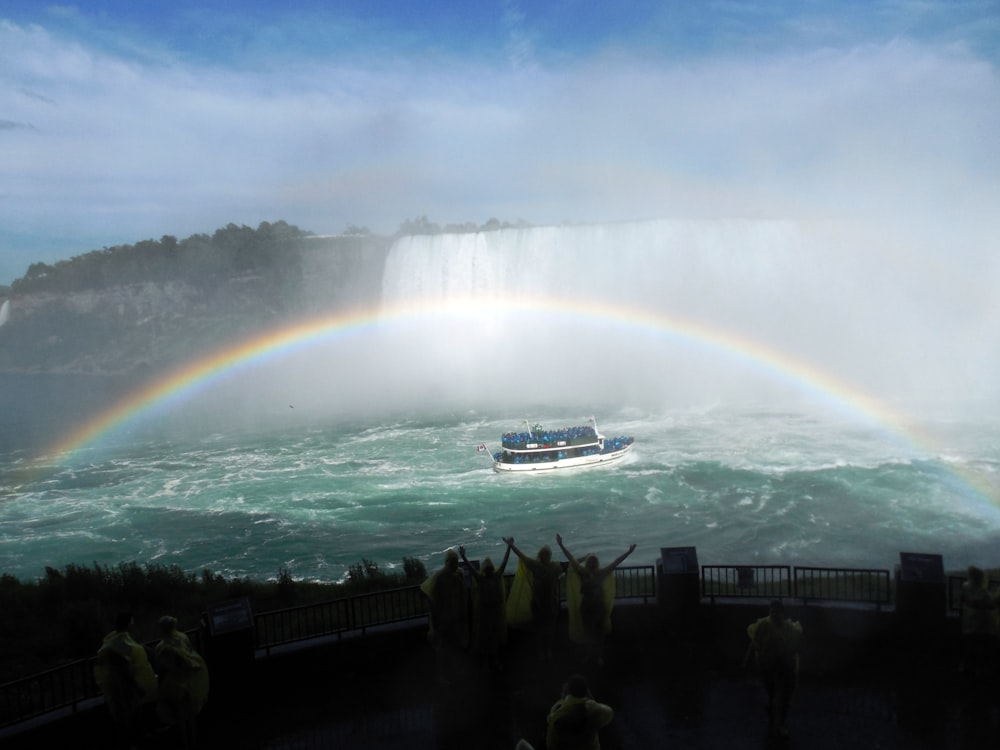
(540, 449)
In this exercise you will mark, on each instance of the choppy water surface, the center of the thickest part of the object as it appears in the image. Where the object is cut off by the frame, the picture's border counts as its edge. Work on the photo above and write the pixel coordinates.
(742, 486)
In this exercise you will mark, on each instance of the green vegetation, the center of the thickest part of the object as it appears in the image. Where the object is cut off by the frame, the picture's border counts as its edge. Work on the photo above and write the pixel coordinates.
(201, 260)
(272, 250)
(64, 616)
(421, 225)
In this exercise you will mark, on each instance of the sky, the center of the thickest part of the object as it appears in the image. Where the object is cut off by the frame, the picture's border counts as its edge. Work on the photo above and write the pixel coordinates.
(123, 121)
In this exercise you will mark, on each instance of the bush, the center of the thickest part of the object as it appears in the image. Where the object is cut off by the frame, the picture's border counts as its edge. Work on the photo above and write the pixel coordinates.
(65, 614)
(414, 570)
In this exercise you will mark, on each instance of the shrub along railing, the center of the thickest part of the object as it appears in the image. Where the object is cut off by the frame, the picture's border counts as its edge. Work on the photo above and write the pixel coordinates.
(68, 686)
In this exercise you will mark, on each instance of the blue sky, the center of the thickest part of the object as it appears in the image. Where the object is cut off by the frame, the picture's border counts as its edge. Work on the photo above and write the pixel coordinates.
(122, 121)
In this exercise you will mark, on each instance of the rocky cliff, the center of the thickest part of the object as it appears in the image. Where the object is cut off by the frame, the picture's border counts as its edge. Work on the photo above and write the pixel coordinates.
(130, 329)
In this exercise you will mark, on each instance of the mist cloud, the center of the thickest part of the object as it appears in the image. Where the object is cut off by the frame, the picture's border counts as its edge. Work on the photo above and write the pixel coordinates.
(897, 134)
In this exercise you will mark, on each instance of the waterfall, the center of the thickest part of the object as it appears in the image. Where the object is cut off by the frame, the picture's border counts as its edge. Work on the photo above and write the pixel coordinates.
(751, 297)
(641, 263)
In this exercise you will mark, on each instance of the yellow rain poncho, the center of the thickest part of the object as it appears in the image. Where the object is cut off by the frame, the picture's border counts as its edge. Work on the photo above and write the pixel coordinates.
(534, 595)
(590, 597)
(489, 620)
(124, 675)
(183, 679)
(449, 623)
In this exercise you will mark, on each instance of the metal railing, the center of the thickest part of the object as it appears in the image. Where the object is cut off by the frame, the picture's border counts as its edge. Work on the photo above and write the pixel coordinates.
(756, 581)
(810, 584)
(855, 585)
(63, 687)
(67, 686)
(635, 582)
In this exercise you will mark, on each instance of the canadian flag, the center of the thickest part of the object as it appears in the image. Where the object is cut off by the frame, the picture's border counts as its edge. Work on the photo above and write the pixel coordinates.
(481, 447)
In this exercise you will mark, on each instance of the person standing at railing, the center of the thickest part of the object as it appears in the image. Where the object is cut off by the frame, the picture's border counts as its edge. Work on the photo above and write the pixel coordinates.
(979, 624)
(126, 678)
(183, 678)
(534, 596)
(590, 597)
(489, 602)
(776, 642)
(449, 615)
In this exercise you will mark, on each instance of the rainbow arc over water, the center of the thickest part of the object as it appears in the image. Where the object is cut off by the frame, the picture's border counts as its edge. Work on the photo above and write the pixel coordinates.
(183, 382)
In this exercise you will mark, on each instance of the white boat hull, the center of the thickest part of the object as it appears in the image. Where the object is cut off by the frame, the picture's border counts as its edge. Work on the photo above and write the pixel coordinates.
(577, 462)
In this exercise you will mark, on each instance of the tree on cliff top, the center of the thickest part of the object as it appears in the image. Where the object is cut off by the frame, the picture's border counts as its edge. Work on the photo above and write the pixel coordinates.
(202, 260)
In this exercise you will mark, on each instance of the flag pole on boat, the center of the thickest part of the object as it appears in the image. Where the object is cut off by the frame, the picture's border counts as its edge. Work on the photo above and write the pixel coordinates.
(481, 448)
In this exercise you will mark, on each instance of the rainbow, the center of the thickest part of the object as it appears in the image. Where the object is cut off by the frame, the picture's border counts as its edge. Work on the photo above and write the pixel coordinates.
(183, 382)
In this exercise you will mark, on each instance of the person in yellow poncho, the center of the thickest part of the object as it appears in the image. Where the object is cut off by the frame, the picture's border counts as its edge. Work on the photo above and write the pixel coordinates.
(776, 641)
(448, 630)
(979, 624)
(590, 597)
(126, 678)
(534, 598)
(489, 616)
(575, 721)
(183, 678)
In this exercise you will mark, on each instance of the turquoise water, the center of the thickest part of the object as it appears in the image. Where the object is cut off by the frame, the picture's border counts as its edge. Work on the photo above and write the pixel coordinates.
(754, 362)
(759, 485)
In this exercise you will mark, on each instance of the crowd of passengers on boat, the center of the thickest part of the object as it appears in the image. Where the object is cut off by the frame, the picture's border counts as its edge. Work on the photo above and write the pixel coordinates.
(611, 445)
(546, 438)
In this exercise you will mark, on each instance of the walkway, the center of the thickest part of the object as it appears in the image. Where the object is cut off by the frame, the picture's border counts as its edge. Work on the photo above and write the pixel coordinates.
(382, 694)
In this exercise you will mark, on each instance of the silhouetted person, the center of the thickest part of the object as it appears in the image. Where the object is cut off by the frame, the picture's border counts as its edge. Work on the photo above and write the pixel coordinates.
(979, 624)
(776, 642)
(574, 722)
(126, 678)
(590, 596)
(534, 598)
(183, 681)
(449, 618)
(489, 613)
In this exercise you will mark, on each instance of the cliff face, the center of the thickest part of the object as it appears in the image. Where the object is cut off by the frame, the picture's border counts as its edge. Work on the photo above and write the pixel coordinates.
(132, 328)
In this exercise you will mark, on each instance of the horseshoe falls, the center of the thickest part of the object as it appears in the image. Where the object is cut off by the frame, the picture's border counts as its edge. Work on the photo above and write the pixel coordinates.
(799, 393)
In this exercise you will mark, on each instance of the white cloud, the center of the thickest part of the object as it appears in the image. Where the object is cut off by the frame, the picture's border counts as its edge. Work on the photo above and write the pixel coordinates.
(111, 150)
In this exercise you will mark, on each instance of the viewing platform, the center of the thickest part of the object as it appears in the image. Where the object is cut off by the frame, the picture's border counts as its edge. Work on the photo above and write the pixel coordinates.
(879, 670)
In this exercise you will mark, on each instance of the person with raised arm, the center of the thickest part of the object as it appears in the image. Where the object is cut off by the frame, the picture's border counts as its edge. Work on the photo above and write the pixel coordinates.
(534, 597)
(448, 630)
(489, 602)
(590, 597)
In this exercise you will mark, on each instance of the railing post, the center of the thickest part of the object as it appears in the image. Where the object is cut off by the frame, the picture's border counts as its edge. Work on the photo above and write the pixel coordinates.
(678, 586)
(920, 613)
(230, 646)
